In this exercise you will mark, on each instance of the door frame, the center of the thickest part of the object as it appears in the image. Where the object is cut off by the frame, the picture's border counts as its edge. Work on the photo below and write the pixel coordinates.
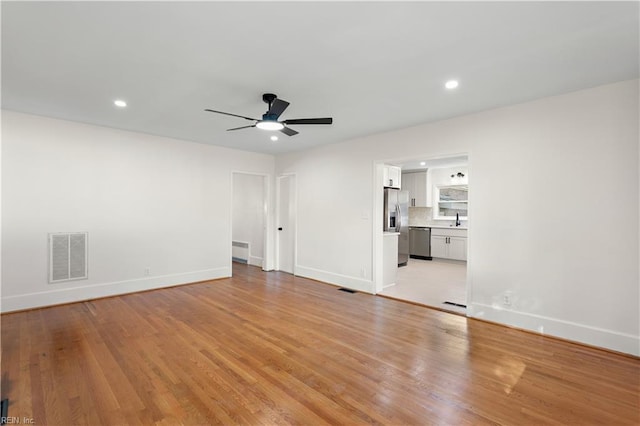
(376, 224)
(293, 207)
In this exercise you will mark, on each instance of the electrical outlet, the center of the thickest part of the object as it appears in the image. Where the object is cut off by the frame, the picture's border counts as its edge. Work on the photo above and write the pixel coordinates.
(506, 300)
(147, 271)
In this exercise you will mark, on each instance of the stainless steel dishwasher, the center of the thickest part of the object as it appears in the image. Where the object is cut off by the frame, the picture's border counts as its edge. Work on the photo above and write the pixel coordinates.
(420, 242)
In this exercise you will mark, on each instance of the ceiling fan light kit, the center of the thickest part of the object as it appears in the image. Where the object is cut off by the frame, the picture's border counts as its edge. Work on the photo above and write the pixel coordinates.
(269, 119)
(269, 125)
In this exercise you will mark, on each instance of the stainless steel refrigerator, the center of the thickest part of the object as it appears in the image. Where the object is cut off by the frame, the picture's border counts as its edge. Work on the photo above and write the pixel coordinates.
(396, 219)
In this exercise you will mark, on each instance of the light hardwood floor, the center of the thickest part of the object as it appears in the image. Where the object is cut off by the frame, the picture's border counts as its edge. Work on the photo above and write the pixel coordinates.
(269, 348)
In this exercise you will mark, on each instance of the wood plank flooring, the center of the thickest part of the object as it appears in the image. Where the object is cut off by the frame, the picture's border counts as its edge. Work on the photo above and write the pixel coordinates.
(269, 348)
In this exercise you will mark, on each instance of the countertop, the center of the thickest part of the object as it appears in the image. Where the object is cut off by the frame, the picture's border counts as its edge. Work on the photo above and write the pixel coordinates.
(388, 233)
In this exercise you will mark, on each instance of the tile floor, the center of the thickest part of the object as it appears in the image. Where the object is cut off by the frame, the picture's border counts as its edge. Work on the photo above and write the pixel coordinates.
(431, 282)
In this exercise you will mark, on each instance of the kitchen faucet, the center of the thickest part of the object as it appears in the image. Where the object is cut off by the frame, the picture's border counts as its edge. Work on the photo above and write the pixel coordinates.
(457, 219)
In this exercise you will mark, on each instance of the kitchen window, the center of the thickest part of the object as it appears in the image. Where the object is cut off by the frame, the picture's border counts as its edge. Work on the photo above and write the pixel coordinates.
(452, 199)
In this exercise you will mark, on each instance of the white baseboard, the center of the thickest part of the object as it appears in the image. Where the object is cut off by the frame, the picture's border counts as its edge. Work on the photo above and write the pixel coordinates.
(594, 336)
(80, 293)
(255, 261)
(345, 281)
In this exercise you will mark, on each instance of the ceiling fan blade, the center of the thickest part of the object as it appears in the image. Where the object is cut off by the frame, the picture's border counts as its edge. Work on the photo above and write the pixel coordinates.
(277, 107)
(296, 121)
(233, 115)
(243, 127)
(289, 132)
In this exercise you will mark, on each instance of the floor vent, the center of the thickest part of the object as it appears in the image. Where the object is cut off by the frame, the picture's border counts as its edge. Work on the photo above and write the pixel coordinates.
(459, 305)
(347, 290)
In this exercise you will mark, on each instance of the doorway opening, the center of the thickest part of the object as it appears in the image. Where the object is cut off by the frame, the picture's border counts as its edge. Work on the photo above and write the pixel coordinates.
(436, 273)
(249, 219)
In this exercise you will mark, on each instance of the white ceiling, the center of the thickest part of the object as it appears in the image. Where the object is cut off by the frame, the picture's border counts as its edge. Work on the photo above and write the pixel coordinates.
(372, 66)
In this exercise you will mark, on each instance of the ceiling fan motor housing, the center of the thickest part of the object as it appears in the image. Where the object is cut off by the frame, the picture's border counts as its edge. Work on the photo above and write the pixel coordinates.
(269, 98)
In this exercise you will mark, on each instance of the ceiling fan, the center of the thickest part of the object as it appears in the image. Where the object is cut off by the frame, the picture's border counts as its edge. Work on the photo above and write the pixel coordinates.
(270, 121)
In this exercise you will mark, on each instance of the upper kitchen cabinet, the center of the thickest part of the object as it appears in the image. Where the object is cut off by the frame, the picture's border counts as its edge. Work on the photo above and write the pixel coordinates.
(416, 184)
(392, 176)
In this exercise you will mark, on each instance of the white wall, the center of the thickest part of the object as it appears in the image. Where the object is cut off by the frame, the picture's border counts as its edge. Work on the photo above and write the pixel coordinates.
(567, 257)
(146, 202)
(442, 176)
(569, 261)
(249, 214)
(333, 187)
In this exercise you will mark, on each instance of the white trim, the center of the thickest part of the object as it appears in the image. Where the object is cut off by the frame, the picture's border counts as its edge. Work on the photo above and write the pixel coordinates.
(595, 336)
(77, 294)
(376, 226)
(354, 283)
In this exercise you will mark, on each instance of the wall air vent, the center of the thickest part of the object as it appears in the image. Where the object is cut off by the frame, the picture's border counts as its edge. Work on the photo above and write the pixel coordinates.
(240, 251)
(67, 256)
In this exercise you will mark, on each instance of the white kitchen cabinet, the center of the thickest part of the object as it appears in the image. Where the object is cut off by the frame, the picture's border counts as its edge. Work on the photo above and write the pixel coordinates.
(449, 243)
(408, 184)
(439, 247)
(430, 182)
(392, 176)
(416, 184)
(457, 248)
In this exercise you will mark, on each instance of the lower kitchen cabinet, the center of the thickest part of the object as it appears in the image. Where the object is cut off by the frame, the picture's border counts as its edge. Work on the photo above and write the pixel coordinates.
(449, 243)
(390, 258)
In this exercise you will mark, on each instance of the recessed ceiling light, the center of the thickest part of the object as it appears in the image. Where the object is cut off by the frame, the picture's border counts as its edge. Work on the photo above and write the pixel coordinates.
(422, 163)
(274, 138)
(120, 103)
(451, 84)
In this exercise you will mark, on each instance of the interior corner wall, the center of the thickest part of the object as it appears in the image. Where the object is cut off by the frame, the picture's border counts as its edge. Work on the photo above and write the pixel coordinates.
(156, 209)
(553, 211)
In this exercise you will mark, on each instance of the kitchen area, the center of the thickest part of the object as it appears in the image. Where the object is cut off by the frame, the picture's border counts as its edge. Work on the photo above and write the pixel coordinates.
(426, 208)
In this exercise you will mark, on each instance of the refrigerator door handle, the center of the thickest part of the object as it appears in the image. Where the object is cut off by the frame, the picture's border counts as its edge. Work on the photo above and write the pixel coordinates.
(398, 218)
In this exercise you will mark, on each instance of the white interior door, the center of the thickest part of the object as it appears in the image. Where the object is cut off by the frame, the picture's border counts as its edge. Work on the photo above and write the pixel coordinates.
(286, 223)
